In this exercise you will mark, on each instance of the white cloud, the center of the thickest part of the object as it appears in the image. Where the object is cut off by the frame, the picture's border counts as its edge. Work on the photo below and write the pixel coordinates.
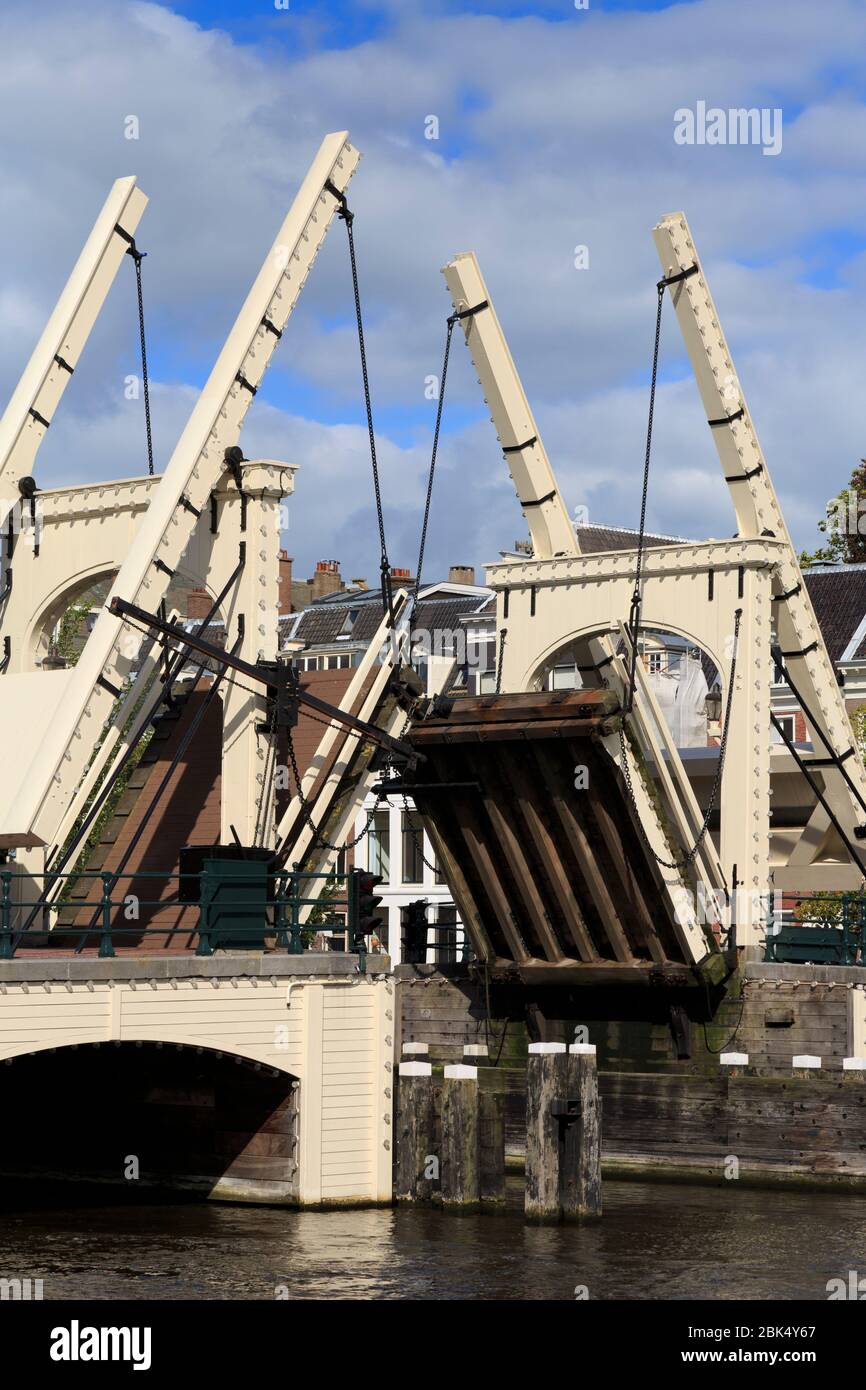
(552, 134)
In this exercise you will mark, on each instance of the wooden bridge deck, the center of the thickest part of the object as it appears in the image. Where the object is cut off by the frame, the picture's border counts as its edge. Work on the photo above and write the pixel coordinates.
(534, 830)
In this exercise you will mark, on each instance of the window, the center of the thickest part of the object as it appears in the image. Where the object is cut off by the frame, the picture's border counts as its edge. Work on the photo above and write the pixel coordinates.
(413, 848)
(788, 723)
(655, 662)
(563, 677)
(446, 934)
(379, 845)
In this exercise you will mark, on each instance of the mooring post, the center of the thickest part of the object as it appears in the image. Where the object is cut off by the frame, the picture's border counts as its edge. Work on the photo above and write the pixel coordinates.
(413, 1177)
(563, 1133)
(461, 1168)
(546, 1076)
(580, 1185)
(491, 1147)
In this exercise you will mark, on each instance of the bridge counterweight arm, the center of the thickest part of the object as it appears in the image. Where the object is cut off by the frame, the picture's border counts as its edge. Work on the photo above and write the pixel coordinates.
(755, 501)
(262, 676)
(35, 399)
(192, 473)
(538, 492)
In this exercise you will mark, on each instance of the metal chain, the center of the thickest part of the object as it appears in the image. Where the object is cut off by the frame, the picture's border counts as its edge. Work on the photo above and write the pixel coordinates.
(691, 853)
(419, 843)
(387, 597)
(138, 257)
(452, 319)
(634, 614)
(320, 839)
(502, 636)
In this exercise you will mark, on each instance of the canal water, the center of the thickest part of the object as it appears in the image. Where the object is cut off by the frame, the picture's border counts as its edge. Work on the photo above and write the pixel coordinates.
(655, 1241)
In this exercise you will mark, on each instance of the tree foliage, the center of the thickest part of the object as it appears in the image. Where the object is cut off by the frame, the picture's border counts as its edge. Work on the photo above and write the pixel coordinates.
(844, 526)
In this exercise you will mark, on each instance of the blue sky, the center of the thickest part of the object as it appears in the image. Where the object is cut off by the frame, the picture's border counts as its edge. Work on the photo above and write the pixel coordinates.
(555, 130)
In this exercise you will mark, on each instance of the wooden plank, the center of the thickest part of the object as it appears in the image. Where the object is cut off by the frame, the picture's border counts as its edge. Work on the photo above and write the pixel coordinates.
(585, 856)
(525, 790)
(424, 735)
(546, 704)
(597, 972)
(612, 837)
(487, 872)
(511, 850)
(470, 913)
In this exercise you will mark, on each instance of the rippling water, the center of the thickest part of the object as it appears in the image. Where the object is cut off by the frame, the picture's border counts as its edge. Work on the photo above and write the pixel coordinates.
(655, 1241)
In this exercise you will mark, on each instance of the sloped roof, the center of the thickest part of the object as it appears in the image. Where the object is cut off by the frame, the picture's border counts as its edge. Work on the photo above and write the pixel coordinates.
(323, 623)
(838, 594)
(593, 539)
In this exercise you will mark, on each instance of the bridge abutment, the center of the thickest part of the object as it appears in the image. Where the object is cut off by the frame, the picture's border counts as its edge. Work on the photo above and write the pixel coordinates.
(249, 1077)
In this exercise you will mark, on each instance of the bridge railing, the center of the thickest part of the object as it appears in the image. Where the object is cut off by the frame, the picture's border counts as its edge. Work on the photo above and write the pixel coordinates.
(236, 903)
(818, 929)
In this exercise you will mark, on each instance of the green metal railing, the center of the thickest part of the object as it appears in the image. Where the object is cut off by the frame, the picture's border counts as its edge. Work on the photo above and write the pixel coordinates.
(229, 902)
(818, 928)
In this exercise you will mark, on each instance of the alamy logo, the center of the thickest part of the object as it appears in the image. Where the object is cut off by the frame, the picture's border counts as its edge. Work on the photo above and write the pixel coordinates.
(737, 126)
(77, 1343)
(20, 1290)
(853, 1288)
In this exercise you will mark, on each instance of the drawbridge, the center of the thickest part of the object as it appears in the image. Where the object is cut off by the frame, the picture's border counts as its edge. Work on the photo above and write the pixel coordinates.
(617, 874)
(566, 823)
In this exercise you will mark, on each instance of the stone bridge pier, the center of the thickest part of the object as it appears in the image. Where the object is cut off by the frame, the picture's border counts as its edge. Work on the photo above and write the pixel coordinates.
(247, 1077)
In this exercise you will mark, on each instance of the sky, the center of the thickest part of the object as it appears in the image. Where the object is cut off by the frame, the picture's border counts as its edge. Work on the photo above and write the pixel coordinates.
(556, 130)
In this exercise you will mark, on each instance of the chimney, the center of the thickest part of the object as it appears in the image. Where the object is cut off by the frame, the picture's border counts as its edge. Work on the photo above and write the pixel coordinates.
(285, 583)
(461, 574)
(326, 580)
(402, 577)
(359, 584)
(198, 603)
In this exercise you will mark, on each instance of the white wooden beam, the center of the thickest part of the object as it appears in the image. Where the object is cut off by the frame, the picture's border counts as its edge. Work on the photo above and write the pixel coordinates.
(758, 511)
(56, 355)
(538, 493)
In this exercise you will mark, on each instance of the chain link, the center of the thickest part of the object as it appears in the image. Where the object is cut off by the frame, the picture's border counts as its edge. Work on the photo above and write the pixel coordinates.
(502, 636)
(387, 596)
(138, 257)
(634, 614)
(320, 839)
(426, 519)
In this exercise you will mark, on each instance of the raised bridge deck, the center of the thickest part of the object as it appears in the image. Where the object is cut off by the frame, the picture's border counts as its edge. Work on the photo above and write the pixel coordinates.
(533, 826)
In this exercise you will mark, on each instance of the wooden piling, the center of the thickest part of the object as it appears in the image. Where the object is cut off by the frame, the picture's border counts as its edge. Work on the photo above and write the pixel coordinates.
(546, 1071)
(563, 1133)
(460, 1174)
(580, 1174)
(491, 1148)
(414, 1133)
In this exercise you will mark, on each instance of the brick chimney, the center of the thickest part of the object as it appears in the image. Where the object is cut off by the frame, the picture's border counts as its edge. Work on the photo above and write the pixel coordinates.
(285, 583)
(327, 579)
(402, 577)
(198, 603)
(359, 584)
(461, 574)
